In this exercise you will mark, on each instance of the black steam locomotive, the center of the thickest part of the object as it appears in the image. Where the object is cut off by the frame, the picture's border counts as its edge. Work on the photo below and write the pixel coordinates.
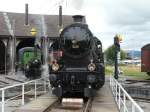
(79, 66)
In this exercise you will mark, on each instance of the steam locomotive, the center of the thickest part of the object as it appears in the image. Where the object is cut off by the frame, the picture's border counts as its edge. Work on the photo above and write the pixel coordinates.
(77, 68)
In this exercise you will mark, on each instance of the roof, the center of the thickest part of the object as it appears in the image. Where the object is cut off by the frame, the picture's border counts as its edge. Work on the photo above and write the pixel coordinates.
(146, 47)
(22, 30)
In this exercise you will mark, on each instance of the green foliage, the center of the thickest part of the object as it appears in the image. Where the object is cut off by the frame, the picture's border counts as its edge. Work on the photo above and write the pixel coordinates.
(110, 54)
(123, 55)
(129, 71)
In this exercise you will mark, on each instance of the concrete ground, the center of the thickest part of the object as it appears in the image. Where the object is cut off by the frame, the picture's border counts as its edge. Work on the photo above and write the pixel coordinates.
(104, 101)
(37, 105)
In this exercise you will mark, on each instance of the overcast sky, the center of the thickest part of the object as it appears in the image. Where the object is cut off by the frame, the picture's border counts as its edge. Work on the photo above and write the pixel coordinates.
(106, 18)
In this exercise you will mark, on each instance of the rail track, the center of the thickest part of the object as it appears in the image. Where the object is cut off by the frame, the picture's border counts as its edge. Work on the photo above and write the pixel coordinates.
(138, 89)
(88, 105)
(137, 81)
(142, 99)
(57, 106)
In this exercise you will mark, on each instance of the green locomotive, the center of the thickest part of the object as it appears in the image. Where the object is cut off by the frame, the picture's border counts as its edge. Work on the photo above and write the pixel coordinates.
(30, 62)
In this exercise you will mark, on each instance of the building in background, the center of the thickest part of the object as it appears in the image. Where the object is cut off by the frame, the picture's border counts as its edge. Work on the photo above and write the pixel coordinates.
(22, 35)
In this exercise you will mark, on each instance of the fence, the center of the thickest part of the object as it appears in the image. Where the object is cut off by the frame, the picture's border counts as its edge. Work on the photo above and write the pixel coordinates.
(123, 99)
(32, 87)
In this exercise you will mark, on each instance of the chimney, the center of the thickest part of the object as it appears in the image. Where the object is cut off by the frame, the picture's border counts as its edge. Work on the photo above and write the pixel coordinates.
(60, 16)
(26, 14)
(78, 18)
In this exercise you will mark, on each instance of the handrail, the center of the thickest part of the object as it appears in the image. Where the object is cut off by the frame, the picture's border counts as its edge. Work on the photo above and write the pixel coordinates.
(22, 85)
(19, 84)
(122, 98)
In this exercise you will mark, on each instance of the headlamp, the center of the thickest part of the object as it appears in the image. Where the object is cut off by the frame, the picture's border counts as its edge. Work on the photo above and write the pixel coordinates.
(55, 67)
(91, 67)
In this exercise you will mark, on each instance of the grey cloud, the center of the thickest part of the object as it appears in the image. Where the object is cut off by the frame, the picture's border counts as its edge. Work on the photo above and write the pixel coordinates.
(127, 12)
(136, 40)
(130, 18)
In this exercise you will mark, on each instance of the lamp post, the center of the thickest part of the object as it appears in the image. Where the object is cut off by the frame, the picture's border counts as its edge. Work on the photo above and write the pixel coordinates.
(117, 41)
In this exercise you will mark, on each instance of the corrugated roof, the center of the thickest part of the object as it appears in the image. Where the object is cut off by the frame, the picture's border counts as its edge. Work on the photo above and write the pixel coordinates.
(21, 30)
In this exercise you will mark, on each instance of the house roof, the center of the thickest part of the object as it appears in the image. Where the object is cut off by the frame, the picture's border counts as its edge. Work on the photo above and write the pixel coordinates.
(22, 30)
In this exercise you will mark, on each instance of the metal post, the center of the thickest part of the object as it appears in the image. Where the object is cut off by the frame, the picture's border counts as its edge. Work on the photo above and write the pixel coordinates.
(116, 90)
(3, 100)
(133, 108)
(119, 97)
(124, 102)
(5, 58)
(117, 49)
(112, 86)
(44, 85)
(23, 94)
(35, 94)
(116, 64)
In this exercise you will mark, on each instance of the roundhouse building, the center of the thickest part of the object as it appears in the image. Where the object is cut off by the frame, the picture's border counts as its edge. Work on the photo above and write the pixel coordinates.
(10, 45)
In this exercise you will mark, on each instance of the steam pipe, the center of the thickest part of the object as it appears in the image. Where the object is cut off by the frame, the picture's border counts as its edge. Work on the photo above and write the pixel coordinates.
(60, 16)
(26, 14)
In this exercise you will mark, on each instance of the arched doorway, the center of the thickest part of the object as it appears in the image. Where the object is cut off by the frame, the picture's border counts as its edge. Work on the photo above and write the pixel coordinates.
(29, 42)
(25, 43)
(2, 57)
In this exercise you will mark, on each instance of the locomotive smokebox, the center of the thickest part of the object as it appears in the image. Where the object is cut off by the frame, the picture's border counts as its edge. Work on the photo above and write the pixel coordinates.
(78, 18)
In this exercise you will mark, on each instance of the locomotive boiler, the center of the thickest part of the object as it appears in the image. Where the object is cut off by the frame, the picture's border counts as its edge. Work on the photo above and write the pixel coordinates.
(78, 69)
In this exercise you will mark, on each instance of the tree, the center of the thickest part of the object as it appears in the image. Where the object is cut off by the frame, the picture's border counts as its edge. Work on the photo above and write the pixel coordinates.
(110, 54)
